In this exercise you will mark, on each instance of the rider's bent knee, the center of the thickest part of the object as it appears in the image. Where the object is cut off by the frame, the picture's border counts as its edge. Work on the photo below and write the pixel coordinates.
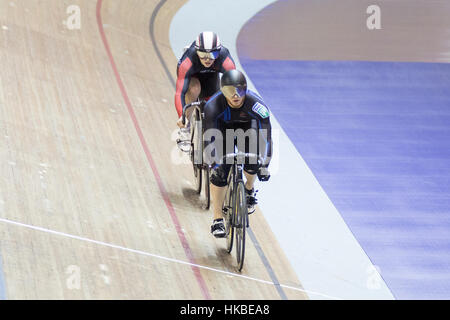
(194, 88)
(251, 169)
(219, 177)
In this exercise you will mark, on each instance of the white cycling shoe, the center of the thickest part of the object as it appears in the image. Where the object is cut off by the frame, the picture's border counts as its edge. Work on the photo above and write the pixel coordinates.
(218, 228)
(251, 200)
(184, 139)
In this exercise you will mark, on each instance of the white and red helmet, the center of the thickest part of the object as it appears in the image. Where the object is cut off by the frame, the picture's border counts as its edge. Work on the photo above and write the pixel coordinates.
(208, 41)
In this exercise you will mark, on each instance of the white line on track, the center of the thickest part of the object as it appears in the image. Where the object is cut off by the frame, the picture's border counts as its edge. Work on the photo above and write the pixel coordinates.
(105, 244)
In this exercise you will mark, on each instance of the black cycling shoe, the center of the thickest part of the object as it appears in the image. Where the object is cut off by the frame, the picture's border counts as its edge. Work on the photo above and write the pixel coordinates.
(251, 200)
(218, 228)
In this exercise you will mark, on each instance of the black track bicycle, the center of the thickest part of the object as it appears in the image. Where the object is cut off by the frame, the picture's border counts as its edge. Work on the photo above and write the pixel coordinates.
(234, 207)
(201, 170)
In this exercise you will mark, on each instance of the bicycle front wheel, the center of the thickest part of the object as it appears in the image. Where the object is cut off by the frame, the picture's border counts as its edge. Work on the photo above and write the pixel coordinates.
(229, 218)
(241, 214)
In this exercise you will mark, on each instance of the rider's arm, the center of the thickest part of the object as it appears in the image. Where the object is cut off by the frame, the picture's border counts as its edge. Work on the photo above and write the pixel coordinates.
(266, 148)
(227, 61)
(182, 86)
(211, 130)
(210, 121)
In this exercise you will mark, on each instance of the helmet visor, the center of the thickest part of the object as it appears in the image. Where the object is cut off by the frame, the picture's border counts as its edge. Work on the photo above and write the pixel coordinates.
(208, 55)
(231, 91)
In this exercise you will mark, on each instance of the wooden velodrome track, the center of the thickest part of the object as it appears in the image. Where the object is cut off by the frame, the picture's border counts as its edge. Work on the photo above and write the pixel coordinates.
(93, 204)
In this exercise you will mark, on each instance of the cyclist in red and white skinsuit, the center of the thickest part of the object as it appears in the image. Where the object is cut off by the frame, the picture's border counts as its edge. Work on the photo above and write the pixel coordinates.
(198, 73)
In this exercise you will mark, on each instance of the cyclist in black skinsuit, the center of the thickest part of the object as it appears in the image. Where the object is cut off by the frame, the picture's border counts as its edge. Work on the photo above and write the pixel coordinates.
(234, 107)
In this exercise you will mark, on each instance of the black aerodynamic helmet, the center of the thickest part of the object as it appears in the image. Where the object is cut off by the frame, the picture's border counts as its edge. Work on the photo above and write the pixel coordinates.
(233, 83)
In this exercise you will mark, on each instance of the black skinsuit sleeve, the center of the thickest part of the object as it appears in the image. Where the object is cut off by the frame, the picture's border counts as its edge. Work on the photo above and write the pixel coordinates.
(184, 74)
(211, 112)
(266, 148)
(227, 61)
(210, 115)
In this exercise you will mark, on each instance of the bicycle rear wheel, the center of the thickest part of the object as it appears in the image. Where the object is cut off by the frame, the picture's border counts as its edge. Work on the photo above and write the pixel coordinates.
(197, 173)
(207, 172)
(229, 218)
(241, 214)
(195, 136)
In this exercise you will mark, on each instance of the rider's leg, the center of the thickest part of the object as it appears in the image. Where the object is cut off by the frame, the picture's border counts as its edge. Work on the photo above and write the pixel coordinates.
(218, 190)
(217, 197)
(219, 175)
(201, 85)
(210, 84)
(250, 180)
(192, 94)
(250, 171)
(193, 90)
(184, 135)
(250, 175)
